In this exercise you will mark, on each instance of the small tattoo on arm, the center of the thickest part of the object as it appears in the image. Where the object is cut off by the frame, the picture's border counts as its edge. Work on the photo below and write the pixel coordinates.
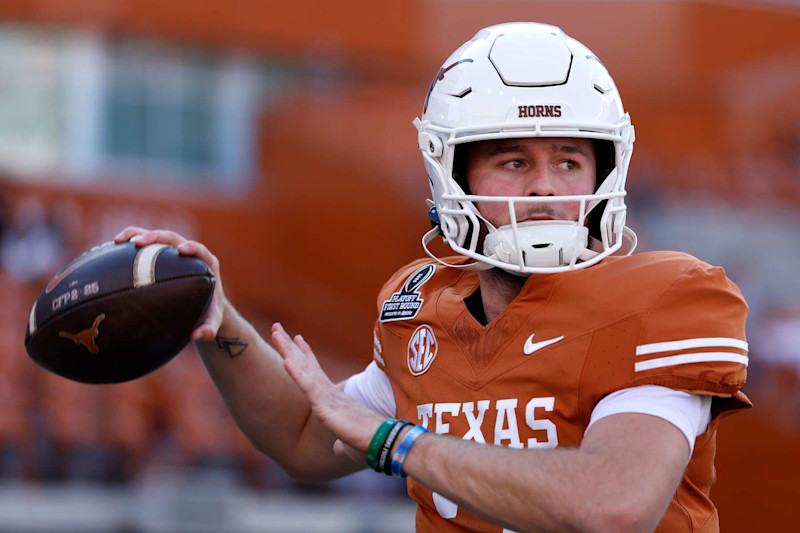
(232, 346)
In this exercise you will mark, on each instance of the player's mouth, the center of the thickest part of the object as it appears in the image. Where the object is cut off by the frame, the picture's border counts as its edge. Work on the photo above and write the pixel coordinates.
(535, 218)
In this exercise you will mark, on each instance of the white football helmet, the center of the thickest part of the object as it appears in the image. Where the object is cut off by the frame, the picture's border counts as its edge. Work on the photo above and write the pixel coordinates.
(525, 80)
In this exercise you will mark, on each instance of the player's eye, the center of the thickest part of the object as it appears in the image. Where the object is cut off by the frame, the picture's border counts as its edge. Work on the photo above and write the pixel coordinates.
(568, 164)
(514, 164)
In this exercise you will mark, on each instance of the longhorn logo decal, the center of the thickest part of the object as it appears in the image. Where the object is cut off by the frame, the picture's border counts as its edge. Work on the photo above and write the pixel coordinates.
(439, 77)
(87, 336)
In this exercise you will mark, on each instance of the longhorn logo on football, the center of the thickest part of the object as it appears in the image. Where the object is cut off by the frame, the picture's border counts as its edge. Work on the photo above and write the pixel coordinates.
(422, 349)
(87, 336)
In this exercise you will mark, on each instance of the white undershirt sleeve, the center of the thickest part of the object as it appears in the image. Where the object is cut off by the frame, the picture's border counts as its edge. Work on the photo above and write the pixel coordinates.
(373, 389)
(690, 413)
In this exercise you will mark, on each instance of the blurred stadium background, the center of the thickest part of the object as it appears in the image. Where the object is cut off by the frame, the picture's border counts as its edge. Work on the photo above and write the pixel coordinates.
(280, 134)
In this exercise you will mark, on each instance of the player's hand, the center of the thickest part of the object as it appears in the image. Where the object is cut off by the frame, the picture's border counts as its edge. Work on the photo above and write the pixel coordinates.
(207, 330)
(349, 420)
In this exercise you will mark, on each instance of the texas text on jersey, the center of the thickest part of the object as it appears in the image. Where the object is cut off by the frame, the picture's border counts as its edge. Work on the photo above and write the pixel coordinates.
(532, 377)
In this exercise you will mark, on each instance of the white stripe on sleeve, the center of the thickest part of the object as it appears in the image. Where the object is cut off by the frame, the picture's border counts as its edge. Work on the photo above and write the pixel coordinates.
(690, 413)
(373, 389)
(703, 357)
(706, 342)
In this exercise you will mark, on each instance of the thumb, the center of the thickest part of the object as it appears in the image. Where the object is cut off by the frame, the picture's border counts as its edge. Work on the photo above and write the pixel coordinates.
(342, 449)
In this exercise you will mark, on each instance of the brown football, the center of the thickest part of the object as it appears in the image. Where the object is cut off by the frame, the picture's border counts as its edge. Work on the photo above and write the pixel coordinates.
(118, 312)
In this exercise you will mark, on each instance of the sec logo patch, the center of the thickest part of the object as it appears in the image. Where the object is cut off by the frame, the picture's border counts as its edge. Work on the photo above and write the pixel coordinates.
(422, 349)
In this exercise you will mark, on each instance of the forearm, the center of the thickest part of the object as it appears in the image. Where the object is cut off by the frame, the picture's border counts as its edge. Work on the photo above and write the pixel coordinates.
(620, 479)
(523, 490)
(266, 404)
(261, 397)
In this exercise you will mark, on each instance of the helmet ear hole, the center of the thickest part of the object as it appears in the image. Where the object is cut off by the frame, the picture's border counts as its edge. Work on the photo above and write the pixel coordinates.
(594, 220)
(605, 160)
(460, 167)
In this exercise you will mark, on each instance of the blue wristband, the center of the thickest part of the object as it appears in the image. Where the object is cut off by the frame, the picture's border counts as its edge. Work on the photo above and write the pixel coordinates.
(403, 448)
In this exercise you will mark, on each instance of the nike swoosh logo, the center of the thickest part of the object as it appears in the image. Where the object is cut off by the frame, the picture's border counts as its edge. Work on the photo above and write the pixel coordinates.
(531, 346)
(103, 249)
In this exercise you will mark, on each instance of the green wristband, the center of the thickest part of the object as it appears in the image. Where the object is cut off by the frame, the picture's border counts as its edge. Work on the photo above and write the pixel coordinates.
(377, 441)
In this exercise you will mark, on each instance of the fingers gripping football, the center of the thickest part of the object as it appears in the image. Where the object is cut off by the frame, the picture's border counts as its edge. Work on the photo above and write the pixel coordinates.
(143, 237)
(207, 330)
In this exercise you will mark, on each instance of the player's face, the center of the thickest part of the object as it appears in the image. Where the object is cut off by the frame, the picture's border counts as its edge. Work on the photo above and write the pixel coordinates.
(531, 167)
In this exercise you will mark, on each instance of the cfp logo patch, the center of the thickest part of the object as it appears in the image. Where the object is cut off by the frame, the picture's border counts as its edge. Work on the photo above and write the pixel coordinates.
(422, 350)
(406, 304)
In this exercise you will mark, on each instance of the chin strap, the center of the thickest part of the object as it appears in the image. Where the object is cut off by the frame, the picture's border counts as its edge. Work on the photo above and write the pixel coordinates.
(472, 267)
(477, 266)
(632, 238)
(586, 254)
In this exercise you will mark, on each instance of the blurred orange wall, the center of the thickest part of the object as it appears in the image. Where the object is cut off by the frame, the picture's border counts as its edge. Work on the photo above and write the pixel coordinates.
(361, 27)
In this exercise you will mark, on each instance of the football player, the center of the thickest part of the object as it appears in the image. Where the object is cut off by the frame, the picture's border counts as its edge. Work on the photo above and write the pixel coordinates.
(600, 379)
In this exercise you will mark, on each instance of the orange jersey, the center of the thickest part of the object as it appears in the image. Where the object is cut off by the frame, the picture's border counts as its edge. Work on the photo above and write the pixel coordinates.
(531, 378)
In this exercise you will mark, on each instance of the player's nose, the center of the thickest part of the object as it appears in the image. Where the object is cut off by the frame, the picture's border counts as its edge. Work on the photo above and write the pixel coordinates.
(539, 181)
